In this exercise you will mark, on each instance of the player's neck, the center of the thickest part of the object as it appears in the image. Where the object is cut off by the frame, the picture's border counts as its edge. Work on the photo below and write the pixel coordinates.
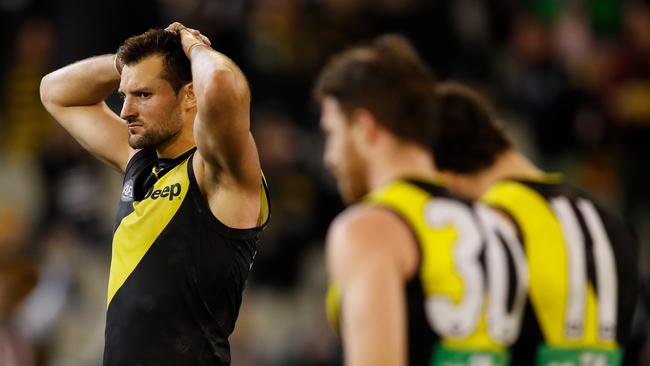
(510, 164)
(180, 143)
(175, 147)
(406, 161)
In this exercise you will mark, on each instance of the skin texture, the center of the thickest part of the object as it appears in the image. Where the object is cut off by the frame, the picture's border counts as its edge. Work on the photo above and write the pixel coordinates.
(341, 155)
(151, 109)
(371, 253)
(211, 113)
(509, 164)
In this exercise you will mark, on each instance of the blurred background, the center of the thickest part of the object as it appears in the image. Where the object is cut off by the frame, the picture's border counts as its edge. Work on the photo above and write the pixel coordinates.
(570, 78)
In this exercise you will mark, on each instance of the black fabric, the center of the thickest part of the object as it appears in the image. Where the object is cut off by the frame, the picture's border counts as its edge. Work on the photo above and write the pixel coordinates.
(133, 185)
(624, 245)
(180, 303)
(421, 337)
(524, 351)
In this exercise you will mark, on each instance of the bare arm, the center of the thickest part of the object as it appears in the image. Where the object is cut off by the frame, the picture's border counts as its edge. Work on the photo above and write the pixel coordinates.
(74, 95)
(222, 126)
(371, 255)
(228, 168)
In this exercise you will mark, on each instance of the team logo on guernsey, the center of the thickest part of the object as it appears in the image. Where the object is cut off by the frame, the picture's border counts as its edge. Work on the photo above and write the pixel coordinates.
(127, 191)
(169, 192)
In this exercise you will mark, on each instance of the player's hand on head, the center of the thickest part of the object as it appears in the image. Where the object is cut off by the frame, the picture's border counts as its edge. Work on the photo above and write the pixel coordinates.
(189, 37)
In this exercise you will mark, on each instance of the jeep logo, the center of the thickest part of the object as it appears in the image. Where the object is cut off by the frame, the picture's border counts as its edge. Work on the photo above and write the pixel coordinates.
(170, 191)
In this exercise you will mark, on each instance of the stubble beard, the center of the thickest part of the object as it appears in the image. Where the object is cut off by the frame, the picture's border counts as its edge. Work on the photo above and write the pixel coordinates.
(152, 138)
(149, 139)
(355, 185)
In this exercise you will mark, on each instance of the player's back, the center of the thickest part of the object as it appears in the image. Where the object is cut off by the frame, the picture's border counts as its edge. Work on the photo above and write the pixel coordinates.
(469, 289)
(581, 269)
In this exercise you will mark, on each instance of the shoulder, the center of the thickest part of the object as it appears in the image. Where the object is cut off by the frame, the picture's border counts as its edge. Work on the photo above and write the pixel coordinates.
(365, 222)
(140, 157)
(140, 161)
(370, 235)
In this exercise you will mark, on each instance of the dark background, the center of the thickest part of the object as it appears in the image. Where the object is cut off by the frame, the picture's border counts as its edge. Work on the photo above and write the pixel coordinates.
(570, 78)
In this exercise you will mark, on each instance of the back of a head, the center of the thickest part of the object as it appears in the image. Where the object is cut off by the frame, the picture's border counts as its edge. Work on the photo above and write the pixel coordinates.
(469, 140)
(388, 78)
(177, 67)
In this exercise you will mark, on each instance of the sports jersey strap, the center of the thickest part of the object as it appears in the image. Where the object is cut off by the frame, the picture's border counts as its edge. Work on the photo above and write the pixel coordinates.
(220, 227)
(555, 247)
(140, 159)
(405, 199)
(265, 205)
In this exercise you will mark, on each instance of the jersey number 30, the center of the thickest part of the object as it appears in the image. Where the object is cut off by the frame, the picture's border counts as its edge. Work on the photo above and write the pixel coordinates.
(484, 233)
(479, 230)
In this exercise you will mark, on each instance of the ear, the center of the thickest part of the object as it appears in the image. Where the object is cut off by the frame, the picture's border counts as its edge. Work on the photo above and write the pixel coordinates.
(365, 127)
(189, 99)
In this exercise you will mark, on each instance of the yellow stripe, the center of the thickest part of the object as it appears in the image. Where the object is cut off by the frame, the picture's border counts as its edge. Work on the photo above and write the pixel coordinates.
(137, 231)
(545, 250)
(265, 209)
(438, 272)
(333, 306)
(547, 263)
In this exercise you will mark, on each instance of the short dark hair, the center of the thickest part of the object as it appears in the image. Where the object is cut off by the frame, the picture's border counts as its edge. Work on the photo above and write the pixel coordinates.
(388, 78)
(470, 138)
(177, 67)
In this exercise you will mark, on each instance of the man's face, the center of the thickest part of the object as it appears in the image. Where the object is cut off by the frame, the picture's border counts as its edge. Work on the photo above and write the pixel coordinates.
(341, 154)
(151, 109)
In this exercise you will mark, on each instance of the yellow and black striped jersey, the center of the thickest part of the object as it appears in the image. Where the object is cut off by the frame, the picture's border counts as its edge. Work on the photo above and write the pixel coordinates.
(582, 269)
(452, 317)
(177, 273)
(470, 300)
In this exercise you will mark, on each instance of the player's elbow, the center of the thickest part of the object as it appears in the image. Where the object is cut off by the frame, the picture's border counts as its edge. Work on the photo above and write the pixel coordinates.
(45, 88)
(47, 92)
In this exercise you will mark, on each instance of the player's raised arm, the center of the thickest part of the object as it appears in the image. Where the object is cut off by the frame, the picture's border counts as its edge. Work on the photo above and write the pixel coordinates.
(74, 95)
(222, 126)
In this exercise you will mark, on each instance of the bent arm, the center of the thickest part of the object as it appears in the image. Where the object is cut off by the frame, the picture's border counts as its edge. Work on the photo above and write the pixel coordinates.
(74, 95)
(222, 127)
(371, 255)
